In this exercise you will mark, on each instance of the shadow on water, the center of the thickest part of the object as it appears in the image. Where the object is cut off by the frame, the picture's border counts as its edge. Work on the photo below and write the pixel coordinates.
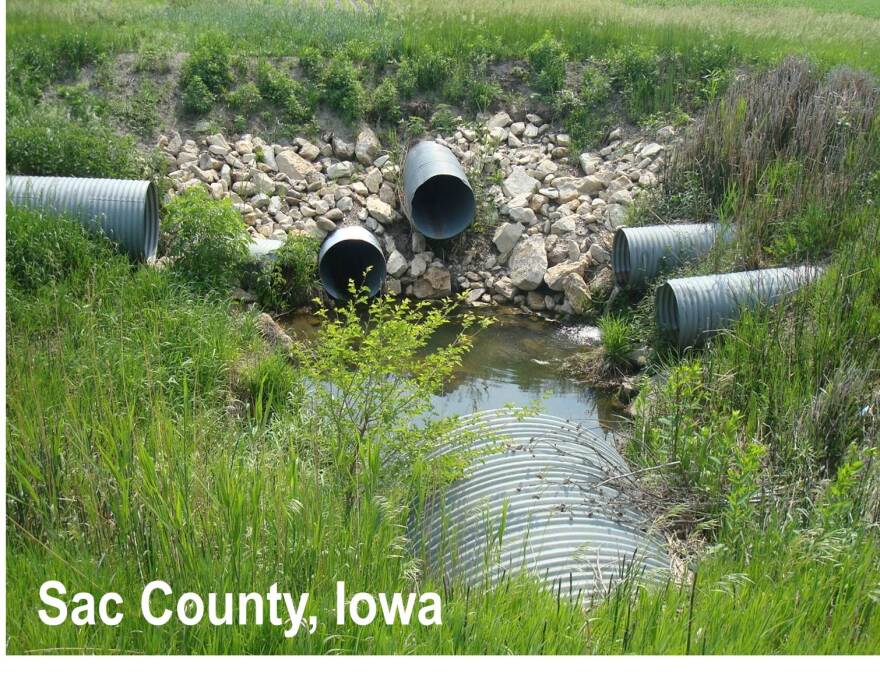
(517, 360)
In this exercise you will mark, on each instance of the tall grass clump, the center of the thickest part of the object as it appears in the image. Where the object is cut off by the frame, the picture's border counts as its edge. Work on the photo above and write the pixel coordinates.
(47, 142)
(787, 152)
(791, 156)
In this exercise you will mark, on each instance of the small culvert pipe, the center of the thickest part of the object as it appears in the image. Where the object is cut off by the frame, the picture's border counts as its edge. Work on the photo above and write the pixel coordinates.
(437, 197)
(351, 254)
(688, 310)
(127, 211)
(641, 253)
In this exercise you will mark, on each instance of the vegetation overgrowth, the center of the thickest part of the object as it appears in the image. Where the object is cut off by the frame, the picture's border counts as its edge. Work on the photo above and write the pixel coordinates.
(152, 433)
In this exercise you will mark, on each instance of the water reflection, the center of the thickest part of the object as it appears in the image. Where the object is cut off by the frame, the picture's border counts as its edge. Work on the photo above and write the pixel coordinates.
(517, 360)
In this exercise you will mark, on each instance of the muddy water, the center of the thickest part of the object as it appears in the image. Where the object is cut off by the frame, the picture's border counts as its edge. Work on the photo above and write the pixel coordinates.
(517, 360)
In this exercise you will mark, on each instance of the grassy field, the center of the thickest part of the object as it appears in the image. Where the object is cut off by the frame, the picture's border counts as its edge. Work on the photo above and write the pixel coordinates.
(152, 433)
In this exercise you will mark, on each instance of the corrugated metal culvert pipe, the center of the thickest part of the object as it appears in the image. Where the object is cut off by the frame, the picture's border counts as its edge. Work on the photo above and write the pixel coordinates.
(351, 253)
(437, 197)
(551, 504)
(688, 310)
(127, 211)
(641, 253)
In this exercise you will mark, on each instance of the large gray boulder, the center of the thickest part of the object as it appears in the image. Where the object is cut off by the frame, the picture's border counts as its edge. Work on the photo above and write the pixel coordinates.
(528, 263)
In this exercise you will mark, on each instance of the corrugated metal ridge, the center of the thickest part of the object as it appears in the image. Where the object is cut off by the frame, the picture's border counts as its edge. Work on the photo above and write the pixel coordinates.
(566, 517)
(126, 210)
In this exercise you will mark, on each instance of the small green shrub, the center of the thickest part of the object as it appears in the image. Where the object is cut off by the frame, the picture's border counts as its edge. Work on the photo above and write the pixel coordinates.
(406, 78)
(595, 86)
(311, 61)
(47, 142)
(197, 97)
(290, 278)
(618, 338)
(384, 103)
(83, 105)
(281, 89)
(210, 62)
(415, 127)
(443, 119)
(239, 124)
(342, 89)
(268, 385)
(245, 99)
(206, 239)
(547, 58)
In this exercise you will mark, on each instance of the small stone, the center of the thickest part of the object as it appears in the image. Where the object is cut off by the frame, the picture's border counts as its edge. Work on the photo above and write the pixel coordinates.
(499, 120)
(325, 224)
(382, 212)
(292, 165)
(616, 215)
(367, 146)
(373, 180)
(577, 293)
(563, 226)
(556, 275)
(339, 170)
(506, 236)
(591, 185)
(623, 197)
(519, 183)
(535, 300)
(599, 254)
(504, 287)
(396, 264)
(393, 286)
(666, 134)
(308, 151)
(435, 282)
(650, 150)
(418, 265)
(263, 182)
(342, 149)
(589, 163)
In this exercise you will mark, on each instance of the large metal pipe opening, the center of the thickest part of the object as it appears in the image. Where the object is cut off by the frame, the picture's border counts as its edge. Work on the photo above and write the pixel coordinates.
(689, 310)
(641, 253)
(351, 254)
(127, 211)
(552, 502)
(438, 199)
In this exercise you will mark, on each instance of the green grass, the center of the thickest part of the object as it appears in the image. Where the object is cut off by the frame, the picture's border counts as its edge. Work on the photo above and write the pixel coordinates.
(152, 434)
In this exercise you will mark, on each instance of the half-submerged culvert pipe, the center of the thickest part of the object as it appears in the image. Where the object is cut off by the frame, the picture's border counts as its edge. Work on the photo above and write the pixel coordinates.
(127, 211)
(437, 197)
(689, 310)
(555, 502)
(351, 254)
(641, 253)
